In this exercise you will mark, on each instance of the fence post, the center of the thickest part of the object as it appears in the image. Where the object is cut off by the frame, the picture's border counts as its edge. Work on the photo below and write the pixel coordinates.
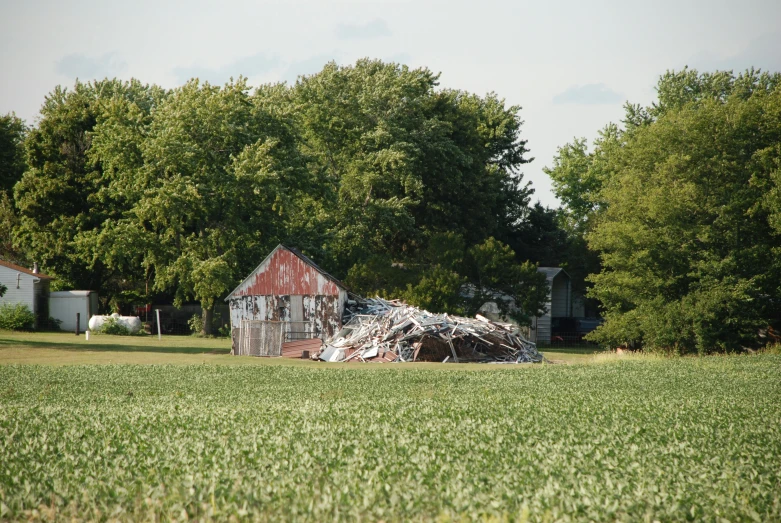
(78, 323)
(159, 335)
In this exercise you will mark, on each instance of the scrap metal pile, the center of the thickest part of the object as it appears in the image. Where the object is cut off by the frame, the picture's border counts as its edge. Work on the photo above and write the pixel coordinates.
(386, 331)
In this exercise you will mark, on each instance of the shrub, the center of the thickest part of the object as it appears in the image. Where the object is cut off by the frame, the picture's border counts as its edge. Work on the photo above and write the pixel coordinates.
(113, 327)
(196, 324)
(224, 331)
(16, 317)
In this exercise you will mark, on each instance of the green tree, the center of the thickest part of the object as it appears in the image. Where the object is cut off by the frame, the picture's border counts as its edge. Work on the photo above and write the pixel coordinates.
(686, 233)
(12, 162)
(578, 176)
(399, 160)
(208, 180)
(61, 195)
(363, 166)
(518, 289)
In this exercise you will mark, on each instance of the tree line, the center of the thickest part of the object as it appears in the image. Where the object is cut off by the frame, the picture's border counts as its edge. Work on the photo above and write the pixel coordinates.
(670, 221)
(398, 187)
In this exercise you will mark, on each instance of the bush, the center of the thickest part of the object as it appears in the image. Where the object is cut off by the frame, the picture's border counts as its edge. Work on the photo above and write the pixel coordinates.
(196, 324)
(224, 331)
(16, 317)
(113, 327)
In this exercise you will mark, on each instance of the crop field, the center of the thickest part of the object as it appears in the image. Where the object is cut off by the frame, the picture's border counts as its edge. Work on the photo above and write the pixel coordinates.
(677, 439)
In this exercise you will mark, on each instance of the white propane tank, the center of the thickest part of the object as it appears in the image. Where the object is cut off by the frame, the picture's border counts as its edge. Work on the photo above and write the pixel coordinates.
(133, 323)
(96, 322)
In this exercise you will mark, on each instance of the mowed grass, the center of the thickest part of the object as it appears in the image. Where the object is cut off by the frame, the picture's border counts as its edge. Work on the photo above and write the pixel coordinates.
(630, 439)
(59, 348)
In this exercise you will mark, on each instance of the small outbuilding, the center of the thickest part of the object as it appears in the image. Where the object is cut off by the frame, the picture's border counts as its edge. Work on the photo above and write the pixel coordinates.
(26, 286)
(65, 305)
(559, 303)
(286, 306)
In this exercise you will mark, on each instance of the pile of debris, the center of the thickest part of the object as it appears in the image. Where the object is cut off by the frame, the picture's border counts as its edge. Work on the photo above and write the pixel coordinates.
(386, 331)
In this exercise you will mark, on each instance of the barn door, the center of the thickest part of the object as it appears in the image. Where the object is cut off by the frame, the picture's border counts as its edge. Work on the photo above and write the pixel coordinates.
(296, 307)
(297, 325)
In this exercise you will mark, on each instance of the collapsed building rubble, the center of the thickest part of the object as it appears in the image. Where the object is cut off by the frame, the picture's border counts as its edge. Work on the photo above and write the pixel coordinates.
(388, 331)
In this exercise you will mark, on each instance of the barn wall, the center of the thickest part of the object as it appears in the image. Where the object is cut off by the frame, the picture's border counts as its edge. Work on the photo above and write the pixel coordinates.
(323, 314)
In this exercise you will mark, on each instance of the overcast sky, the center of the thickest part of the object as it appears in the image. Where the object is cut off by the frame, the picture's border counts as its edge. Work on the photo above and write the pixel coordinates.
(569, 64)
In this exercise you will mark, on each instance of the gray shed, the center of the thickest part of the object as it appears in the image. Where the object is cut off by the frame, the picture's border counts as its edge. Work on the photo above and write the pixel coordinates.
(559, 303)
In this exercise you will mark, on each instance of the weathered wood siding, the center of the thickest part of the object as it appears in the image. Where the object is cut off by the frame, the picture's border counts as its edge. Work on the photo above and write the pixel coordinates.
(323, 314)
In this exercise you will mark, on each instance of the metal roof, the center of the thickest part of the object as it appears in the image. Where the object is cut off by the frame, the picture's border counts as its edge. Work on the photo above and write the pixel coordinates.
(314, 265)
(296, 253)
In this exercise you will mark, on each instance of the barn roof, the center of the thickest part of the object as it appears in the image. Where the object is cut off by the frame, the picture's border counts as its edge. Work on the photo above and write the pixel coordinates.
(24, 270)
(298, 254)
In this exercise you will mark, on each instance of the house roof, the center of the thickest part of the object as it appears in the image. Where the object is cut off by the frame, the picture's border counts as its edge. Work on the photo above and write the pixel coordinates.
(25, 270)
(296, 253)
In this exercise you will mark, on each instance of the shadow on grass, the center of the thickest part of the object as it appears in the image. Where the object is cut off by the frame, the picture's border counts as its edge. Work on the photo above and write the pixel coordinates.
(105, 347)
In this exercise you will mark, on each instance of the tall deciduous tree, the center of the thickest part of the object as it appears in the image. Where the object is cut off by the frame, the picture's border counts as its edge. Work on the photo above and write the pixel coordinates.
(687, 234)
(187, 189)
(12, 162)
(60, 195)
(209, 183)
(402, 160)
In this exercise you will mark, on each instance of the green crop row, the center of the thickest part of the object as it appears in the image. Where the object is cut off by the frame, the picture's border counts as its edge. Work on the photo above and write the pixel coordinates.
(676, 439)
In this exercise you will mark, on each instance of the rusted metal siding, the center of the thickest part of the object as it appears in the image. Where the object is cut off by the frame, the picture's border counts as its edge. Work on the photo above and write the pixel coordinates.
(324, 313)
(284, 273)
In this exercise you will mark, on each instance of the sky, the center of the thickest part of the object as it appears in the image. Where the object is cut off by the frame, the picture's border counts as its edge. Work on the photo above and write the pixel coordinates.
(570, 64)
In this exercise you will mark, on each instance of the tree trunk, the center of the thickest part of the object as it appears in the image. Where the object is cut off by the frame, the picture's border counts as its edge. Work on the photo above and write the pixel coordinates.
(208, 319)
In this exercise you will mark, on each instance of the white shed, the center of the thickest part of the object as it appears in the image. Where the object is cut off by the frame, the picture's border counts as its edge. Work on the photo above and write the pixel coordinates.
(64, 305)
(26, 286)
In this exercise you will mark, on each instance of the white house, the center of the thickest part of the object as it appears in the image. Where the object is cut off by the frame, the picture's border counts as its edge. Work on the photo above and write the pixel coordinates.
(27, 286)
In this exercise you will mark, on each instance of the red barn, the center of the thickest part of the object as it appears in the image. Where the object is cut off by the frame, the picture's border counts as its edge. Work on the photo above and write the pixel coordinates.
(285, 306)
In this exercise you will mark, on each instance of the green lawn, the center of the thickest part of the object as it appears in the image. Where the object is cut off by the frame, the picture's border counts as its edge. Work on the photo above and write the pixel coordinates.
(618, 439)
(55, 348)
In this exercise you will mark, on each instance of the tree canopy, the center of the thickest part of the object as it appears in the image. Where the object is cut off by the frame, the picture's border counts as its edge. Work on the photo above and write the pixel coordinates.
(682, 206)
(131, 187)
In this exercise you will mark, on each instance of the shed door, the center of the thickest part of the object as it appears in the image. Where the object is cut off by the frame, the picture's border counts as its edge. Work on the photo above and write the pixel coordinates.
(297, 328)
(296, 307)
